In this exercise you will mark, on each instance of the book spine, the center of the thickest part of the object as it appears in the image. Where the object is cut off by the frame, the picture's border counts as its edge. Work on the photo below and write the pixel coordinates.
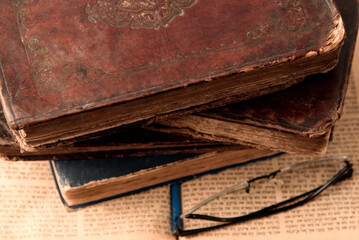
(14, 65)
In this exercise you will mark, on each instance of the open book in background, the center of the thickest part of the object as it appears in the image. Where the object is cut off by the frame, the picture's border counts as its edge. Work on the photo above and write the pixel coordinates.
(88, 67)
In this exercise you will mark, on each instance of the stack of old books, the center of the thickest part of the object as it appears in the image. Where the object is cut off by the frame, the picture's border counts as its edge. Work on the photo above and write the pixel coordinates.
(126, 95)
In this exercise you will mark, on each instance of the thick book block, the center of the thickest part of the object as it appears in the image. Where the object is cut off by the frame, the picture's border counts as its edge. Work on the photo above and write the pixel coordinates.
(88, 181)
(299, 119)
(134, 142)
(72, 68)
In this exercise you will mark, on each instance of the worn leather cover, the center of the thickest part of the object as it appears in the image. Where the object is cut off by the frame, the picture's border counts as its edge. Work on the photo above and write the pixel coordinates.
(310, 108)
(64, 57)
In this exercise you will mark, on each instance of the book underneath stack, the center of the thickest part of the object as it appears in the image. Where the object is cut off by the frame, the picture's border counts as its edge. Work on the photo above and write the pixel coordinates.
(126, 95)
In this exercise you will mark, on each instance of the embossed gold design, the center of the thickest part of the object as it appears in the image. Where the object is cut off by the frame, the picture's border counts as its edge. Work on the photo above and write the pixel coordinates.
(43, 63)
(137, 13)
(51, 77)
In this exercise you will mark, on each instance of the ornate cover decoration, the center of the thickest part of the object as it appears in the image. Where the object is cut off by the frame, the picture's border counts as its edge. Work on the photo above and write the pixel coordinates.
(55, 62)
(137, 14)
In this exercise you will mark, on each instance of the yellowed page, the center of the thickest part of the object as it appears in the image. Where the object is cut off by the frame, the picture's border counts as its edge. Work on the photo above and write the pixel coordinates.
(30, 208)
(333, 215)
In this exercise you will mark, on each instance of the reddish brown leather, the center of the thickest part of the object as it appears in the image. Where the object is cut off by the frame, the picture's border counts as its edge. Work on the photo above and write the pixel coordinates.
(59, 57)
(310, 108)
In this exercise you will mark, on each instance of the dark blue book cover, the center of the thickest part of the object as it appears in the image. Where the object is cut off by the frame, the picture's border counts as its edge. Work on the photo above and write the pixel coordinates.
(88, 181)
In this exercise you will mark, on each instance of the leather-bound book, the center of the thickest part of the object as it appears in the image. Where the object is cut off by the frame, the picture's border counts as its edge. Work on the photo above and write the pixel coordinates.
(299, 119)
(73, 68)
(134, 142)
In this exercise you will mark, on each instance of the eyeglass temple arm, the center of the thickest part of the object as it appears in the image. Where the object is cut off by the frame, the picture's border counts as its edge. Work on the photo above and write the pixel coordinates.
(245, 184)
(233, 188)
(276, 208)
(341, 175)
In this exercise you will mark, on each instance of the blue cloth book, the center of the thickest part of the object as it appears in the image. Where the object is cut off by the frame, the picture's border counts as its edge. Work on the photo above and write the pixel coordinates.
(88, 181)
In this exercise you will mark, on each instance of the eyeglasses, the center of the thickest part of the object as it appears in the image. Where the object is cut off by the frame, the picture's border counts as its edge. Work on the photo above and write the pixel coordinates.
(323, 172)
